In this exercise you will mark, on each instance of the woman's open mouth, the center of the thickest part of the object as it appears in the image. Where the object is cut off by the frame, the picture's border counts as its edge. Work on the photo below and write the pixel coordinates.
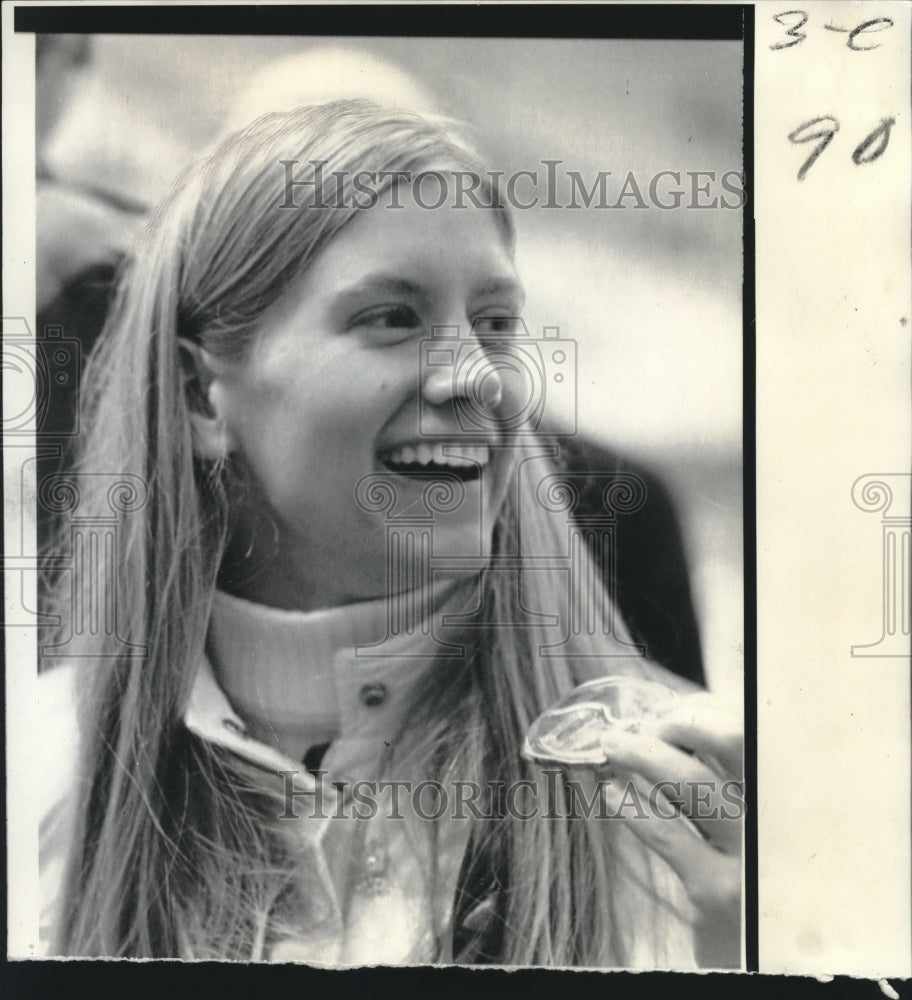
(425, 460)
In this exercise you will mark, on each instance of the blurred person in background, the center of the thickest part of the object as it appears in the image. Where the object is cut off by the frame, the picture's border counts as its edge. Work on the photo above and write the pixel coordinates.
(82, 234)
(83, 231)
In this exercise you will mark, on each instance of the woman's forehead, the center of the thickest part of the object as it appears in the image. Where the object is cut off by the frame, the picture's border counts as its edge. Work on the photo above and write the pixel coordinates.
(410, 241)
(423, 255)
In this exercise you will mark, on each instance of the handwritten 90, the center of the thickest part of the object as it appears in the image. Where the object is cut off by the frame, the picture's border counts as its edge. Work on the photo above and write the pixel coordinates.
(823, 129)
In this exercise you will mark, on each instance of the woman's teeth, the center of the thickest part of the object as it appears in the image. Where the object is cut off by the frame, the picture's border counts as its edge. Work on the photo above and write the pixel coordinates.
(461, 456)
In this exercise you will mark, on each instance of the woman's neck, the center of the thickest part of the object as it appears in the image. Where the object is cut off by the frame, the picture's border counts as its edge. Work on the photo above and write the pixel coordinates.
(262, 574)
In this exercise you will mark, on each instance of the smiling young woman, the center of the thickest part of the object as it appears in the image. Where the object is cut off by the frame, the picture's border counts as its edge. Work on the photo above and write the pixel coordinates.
(328, 393)
(272, 376)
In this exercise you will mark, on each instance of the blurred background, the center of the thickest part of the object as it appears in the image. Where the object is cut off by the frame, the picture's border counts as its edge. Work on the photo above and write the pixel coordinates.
(652, 297)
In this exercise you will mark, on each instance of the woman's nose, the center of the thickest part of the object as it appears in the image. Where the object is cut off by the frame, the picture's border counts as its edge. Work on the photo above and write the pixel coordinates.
(470, 378)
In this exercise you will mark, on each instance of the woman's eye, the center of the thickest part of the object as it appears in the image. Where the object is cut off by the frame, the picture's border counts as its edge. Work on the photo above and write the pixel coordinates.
(396, 317)
(502, 326)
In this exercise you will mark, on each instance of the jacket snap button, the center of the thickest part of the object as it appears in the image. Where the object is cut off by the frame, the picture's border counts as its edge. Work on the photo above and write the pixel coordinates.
(373, 695)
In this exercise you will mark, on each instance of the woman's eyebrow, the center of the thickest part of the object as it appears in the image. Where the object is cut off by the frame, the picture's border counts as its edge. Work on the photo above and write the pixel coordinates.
(383, 283)
(391, 284)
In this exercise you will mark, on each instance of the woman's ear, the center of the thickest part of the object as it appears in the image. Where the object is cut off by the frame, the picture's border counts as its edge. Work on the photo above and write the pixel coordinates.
(212, 439)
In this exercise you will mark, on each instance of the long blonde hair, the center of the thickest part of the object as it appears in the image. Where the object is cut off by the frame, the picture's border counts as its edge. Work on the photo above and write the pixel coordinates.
(174, 851)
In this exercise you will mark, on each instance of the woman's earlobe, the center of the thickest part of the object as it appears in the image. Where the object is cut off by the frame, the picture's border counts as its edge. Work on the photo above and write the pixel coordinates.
(212, 438)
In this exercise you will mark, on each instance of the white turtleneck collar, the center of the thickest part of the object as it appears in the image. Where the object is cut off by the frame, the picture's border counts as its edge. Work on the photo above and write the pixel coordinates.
(342, 675)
